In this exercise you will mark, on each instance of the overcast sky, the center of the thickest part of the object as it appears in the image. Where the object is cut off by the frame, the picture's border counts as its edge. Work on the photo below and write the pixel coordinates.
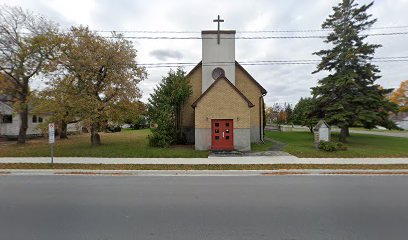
(284, 83)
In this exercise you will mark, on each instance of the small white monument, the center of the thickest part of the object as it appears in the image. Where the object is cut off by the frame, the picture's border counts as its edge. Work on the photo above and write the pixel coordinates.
(321, 132)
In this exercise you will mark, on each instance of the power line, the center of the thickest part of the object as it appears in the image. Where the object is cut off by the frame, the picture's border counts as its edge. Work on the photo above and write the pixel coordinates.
(256, 64)
(244, 37)
(271, 61)
(248, 63)
(238, 37)
(261, 62)
(254, 31)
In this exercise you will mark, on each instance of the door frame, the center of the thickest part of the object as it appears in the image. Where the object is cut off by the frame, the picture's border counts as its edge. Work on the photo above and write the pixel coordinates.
(222, 147)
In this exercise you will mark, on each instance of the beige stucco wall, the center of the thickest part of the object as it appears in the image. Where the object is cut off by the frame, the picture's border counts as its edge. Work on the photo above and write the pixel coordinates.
(222, 102)
(195, 82)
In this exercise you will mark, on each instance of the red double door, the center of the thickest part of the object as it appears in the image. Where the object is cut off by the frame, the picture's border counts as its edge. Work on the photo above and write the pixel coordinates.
(222, 136)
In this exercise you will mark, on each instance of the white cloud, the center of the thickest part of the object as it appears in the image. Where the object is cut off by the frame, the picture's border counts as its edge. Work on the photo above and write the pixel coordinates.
(77, 11)
(284, 83)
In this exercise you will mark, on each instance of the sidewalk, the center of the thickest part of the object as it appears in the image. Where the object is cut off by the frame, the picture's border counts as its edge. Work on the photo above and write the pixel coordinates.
(207, 161)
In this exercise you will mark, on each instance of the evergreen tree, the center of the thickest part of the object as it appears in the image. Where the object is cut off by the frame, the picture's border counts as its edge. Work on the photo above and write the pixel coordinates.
(289, 113)
(165, 108)
(348, 95)
(305, 112)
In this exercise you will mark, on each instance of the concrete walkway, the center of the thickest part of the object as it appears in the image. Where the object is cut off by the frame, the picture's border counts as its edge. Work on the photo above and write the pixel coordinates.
(211, 160)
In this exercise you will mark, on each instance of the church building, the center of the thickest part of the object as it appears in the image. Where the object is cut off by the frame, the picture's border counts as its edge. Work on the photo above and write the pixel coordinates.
(225, 110)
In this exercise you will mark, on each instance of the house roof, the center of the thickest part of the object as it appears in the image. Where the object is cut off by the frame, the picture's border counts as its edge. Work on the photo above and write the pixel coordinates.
(30, 108)
(319, 125)
(399, 116)
(250, 104)
(263, 91)
(7, 105)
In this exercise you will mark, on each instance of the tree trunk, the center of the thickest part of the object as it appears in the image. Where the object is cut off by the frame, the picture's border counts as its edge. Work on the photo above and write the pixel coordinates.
(22, 135)
(311, 129)
(343, 134)
(63, 134)
(347, 131)
(95, 138)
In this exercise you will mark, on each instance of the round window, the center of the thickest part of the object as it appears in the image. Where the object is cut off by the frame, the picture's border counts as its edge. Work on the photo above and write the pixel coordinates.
(217, 73)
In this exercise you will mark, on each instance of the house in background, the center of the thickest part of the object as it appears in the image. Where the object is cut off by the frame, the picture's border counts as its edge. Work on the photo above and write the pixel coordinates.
(10, 122)
(225, 110)
(401, 119)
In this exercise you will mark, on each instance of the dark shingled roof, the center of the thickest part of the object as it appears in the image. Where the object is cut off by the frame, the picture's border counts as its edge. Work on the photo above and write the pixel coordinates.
(319, 124)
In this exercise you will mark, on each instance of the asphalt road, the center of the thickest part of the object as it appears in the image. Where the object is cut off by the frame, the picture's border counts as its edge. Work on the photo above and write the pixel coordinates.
(257, 207)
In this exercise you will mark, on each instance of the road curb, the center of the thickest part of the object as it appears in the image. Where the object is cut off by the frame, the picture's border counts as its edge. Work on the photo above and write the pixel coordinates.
(303, 172)
(205, 161)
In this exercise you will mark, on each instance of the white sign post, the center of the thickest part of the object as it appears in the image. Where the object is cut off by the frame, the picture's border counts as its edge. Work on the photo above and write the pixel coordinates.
(51, 139)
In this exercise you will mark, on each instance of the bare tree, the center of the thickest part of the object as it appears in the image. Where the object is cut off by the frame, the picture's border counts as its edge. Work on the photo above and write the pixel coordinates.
(27, 43)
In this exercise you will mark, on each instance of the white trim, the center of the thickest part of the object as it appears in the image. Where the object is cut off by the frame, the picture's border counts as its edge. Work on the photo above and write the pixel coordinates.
(12, 109)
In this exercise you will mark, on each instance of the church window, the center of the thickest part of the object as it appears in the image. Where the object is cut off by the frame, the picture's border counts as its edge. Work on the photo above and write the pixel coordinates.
(217, 137)
(40, 119)
(227, 124)
(227, 137)
(217, 73)
(217, 124)
(227, 131)
(217, 130)
(34, 118)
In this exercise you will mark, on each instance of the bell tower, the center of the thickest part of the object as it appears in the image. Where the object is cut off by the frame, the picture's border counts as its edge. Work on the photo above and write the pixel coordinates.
(218, 55)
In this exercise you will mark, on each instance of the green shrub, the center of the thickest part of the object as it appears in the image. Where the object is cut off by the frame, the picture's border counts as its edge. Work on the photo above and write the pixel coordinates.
(332, 146)
(157, 140)
(328, 146)
(341, 146)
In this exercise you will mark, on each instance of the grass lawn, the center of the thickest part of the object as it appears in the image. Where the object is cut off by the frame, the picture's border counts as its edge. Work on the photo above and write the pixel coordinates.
(261, 147)
(378, 130)
(122, 144)
(300, 144)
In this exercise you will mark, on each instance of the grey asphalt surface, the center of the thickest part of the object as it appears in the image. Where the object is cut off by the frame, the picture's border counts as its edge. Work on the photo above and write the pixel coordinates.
(244, 207)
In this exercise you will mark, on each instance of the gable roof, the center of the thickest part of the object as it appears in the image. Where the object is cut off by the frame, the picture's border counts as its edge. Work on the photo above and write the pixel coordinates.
(7, 105)
(250, 104)
(319, 124)
(398, 116)
(263, 91)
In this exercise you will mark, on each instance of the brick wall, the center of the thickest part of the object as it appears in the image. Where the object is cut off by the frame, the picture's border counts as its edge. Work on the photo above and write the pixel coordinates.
(188, 111)
(222, 102)
(251, 91)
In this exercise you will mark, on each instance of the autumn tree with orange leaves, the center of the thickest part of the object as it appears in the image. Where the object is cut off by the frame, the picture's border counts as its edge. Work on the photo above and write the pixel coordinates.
(400, 96)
